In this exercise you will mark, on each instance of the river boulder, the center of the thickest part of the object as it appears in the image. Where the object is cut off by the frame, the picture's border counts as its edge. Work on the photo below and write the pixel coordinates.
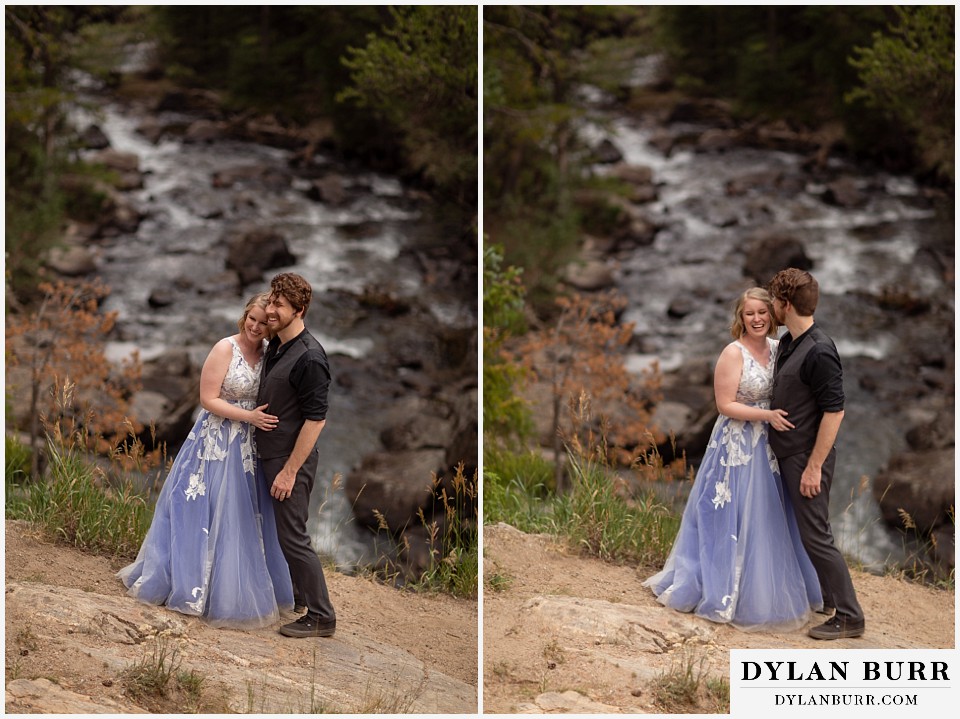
(632, 174)
(205, 131)
(844, 192)
(718, 140)
(939, 433)
(606, 153)
(205, 103)
(329, 190)
(71, 261)
(917, 488)
(388, 488)
(119, 161)
(250, 253)
(589, 275)
(94, 138)
(770, 252)
(716, 112)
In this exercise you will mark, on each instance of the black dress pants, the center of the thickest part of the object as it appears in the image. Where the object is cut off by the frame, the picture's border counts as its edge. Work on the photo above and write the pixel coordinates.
(306, 571)
(813, 521)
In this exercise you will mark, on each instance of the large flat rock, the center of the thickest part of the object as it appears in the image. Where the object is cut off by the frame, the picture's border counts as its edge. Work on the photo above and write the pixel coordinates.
(259, 670)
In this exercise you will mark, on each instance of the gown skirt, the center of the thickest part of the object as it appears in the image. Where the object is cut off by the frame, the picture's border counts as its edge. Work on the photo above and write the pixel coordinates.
(212, 549)
(738, 557)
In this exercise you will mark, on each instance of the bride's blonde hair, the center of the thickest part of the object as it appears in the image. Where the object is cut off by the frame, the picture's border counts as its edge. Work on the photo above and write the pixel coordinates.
(260, 300)
(737, 328)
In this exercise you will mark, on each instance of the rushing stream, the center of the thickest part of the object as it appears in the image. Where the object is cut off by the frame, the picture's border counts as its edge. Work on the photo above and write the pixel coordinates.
(857, 253)
(179, 248)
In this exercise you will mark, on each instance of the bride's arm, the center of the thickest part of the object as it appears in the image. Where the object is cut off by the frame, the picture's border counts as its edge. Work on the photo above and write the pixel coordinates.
(211, 380)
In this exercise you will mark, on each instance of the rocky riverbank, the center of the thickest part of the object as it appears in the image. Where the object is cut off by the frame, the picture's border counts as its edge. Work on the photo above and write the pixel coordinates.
(564, 633)
(72, 634)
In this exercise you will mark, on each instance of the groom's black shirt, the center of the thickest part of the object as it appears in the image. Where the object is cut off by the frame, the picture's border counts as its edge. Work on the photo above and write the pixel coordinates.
(294, 382)
(820, 370)
(808, 381)
(309, 375)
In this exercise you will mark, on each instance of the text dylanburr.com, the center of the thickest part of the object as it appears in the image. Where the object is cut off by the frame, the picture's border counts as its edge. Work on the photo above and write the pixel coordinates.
(845, 682)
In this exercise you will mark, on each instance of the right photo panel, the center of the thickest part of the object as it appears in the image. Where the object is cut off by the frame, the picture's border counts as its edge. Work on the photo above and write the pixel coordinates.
(718, 357)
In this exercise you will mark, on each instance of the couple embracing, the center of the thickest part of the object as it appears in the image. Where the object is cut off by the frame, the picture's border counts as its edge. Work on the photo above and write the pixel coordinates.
(755, 548)
(216, 548)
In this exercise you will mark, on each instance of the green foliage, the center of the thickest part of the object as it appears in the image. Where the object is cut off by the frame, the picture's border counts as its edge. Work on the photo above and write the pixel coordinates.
(886, 72)
(600, 521)
(534, 59)
(909, 75)
(274, 58)
(505, 415)
(410, 71)
(598, 515)
(686, 687)
(499, 582)
(454, 541)
(16, 459)
(420, 76)
(503, 294)
(152, 676)
(776, 59)
(76, 504)
(516, 488)
(44, 44)
(36, 64)
(159, 682)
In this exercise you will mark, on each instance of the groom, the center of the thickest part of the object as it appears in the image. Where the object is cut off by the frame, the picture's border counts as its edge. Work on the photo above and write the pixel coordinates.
(808, 385)
(294, 381)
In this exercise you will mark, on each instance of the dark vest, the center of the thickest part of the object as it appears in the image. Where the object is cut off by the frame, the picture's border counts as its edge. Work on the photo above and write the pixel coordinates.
(276, 390)
(792, 394)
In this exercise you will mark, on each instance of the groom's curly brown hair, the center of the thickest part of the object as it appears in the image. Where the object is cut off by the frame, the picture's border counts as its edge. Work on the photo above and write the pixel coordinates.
(294, 288)
(798, 287)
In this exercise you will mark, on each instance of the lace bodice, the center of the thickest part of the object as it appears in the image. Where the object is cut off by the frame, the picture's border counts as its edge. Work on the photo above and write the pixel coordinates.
(736, 439)
(217, 433)
(242, 381)
(756, 381)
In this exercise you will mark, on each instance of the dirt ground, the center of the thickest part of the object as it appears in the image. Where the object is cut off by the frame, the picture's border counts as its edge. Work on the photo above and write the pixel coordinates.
(438, 630)
(564, 633)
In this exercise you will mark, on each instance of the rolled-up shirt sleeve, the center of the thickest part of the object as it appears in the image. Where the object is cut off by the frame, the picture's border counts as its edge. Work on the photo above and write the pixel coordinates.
(823, 373)
(311, 378)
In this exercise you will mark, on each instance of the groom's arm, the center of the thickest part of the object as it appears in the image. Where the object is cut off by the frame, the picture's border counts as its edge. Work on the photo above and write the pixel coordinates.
(826, 436)
(311, 377)
(306, 441)
(823, 373)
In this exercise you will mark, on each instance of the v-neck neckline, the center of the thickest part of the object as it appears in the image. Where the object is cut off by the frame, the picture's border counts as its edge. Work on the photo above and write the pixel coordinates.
(754, 357)
(236, 344)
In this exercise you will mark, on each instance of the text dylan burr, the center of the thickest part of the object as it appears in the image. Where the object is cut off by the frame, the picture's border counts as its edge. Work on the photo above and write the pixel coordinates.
(840, 671)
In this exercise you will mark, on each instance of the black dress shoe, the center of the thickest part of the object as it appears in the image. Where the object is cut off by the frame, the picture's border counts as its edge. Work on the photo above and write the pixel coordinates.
(838, 628)
(307, 626)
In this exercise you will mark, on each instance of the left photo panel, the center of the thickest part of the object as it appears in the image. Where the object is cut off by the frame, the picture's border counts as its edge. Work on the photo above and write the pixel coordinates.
(241, 359)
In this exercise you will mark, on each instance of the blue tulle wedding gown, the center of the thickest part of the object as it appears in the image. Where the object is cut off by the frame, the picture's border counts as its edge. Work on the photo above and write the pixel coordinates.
(212, 549)
(738, 558)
